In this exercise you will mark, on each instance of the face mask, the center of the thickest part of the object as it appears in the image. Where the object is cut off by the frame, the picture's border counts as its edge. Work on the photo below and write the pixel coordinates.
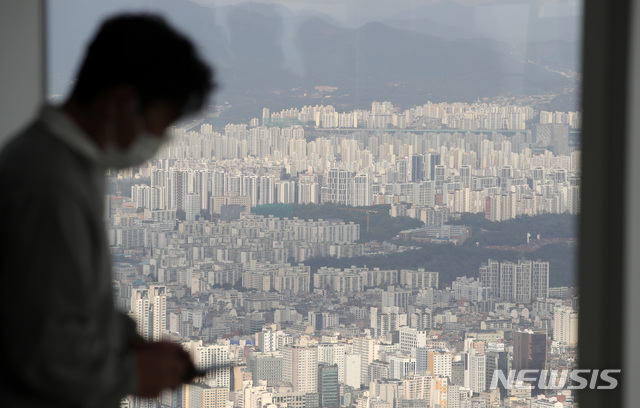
(143, 147)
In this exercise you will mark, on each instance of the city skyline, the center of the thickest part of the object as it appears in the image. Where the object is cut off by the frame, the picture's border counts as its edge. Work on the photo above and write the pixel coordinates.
(443, 124)
(229, 280)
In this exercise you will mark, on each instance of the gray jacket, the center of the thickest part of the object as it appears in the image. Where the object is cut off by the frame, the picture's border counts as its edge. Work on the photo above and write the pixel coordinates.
(62, 343)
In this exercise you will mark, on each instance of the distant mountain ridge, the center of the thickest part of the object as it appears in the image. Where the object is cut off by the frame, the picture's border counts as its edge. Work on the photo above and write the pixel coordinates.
(374, 62)
(267, 55)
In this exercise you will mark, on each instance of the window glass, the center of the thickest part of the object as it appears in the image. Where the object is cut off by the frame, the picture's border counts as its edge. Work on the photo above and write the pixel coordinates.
(378, 206)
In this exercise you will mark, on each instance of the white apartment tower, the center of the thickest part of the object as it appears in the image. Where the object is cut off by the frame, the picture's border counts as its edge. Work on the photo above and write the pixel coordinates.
(352, 370)
(439, 362)
(565, 325)
(268, 340)
(507, 275)
(338, 187)
(140, 311)
(366, 348)
(215, 355)
(300, 368)
(333, 353)
(477, 371)
(523, 282)
(192, 207)
(539, 280)
(158, 303)
(360, 191)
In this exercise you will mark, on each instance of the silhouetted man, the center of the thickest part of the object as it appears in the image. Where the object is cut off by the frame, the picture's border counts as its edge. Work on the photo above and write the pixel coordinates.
(63, 344)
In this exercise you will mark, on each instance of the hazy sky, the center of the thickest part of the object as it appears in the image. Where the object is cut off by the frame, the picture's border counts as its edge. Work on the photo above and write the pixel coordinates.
(387, 4)
(72, 22)
(357, 12)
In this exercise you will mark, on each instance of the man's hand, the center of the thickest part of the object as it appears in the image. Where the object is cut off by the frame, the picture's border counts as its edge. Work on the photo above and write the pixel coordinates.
(161, 365)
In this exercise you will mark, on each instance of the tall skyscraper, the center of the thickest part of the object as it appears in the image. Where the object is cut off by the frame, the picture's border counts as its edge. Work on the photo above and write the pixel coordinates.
(214, 355)
(565, 325)
(267, 340)
(300, 368)
(417, 168)
(465, 175)
(424, 193)
(158, 300)
(360, 191)
(328, 387)
(140, 311)
(507, 278)
(178, 188)
(365, 347)
(497, 361)
(192, 206)
(431, 160)
(539, 279)
(422, 360)
(530, 353)
(352, 370)
(440, 174)
(338, 187)
(477, 371)
(523, 282)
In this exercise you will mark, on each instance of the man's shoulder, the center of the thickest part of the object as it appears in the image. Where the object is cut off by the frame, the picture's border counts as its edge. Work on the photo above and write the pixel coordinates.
(35, 155)
(37, 166)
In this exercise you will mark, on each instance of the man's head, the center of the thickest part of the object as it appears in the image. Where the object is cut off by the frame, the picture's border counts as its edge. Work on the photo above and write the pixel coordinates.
(139, 74)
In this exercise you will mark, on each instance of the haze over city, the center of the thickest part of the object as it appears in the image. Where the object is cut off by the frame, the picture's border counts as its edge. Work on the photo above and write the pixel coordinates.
(377, 209)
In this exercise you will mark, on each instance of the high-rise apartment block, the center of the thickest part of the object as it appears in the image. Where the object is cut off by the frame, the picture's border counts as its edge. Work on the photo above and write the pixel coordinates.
(477, 371)
(300, 367)
(140, 311)
(523, 282)
(418, 279)
(366, 348)
(213, 356)
(439, 362)
(395, 297)
(158, 303)
(565, 325)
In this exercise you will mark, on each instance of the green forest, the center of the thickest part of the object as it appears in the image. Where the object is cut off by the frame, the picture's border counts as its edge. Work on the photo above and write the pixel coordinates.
(382, 227)
(514, 231)
(454, 261)
(450, 260)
